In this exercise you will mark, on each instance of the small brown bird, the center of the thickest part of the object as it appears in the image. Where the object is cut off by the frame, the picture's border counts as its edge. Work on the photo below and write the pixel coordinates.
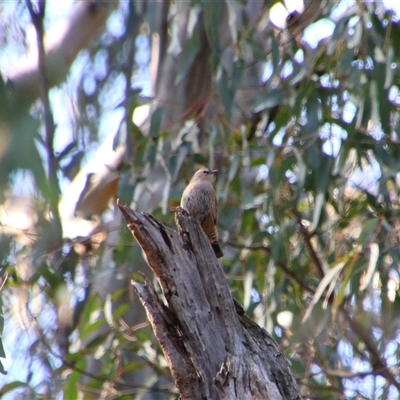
(199, 200)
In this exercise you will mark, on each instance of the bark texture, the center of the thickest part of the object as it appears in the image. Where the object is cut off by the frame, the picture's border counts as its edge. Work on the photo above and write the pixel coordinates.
(213, 349)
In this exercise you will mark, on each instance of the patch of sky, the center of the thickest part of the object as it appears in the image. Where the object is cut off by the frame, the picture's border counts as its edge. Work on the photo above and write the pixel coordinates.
(110, 122)
(255, 296)
(278, 331)
(318, 31)
(394, 95)
(346, 353)
(299, 56)
(265, 220)
(141, 77)
(369, 64)
(393, 5)
(116, 21)
(373, 303)
(327, 81)
(291, 176)
(353, 22)
(270, 129)
(377, 333)
(268, 71)
(287, 69)
(348, 112)
(19, 339)
(113, 93)
(278, 138)
(332, 135)
(355, 365)
(390, 352)
(317, 373)
(100, 64)
(367, 177)
(376, 131)
(263, 173)
(56, 12)
(25, 186)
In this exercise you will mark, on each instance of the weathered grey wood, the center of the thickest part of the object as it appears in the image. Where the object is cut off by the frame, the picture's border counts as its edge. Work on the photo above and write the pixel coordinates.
(213, 349)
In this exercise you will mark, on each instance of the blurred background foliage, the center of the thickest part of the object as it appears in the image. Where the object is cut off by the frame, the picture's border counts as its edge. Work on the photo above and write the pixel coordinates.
(297, 105)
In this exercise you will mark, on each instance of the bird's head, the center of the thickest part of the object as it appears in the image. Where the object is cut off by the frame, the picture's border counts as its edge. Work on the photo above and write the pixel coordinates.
(204, 175)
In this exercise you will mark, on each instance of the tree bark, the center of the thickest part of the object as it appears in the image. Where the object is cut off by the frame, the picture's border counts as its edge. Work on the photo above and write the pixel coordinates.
(213, 349)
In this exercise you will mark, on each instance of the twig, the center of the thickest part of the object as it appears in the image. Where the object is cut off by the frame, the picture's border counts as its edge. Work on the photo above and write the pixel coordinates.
(379, 366)
(310, 249)
(37, 17)
(281, 265)
(72, 365)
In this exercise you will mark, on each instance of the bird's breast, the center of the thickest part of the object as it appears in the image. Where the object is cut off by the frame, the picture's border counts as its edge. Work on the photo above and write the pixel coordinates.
(199, 201)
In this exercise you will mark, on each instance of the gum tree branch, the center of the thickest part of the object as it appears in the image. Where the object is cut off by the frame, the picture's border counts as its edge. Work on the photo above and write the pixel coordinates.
(378, 364)
(83, 25)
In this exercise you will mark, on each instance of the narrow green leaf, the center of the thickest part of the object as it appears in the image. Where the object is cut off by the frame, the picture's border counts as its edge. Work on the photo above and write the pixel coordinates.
(155, 123)
(272, 99)
(382, 95)
(313, 113)
(212, 17)
(327, 279)
(90, 328)
(152, 151)
(91, 305)
(248, 284)
(319, 203)
(108, 315)
(72, 384)
(234, 11)
(323, 174)
(9, 387)
(344, 286)
(121, 310)
(176, 161)
(192, 51)
(276, 55)
(225, 92)
(2, 370)
(368, 232)
(126, 187)
(373, 260)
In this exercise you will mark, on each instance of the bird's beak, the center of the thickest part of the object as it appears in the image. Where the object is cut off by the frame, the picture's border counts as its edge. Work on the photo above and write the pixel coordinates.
(214, 171)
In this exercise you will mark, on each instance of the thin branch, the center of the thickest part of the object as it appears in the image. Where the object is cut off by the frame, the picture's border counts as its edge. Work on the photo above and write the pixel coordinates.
(4, 282)
(85, 22)
(378, 365)
(134, 388)
(281, 265)
(37, 17)
(310, 249)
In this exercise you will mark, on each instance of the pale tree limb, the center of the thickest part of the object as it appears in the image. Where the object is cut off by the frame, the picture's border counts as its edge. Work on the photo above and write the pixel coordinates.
(84, 24)
(213, 349)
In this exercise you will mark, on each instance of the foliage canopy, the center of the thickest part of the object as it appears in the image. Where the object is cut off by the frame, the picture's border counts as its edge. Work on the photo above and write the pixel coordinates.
(305, 136)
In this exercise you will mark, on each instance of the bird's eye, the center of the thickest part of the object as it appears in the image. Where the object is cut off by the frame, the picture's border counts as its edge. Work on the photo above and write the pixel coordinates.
(205, 171)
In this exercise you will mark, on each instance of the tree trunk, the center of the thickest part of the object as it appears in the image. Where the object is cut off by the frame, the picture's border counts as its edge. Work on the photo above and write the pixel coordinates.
(213, 349)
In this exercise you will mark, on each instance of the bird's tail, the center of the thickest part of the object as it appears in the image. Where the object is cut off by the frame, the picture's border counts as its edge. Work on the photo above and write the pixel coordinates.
(217, 249)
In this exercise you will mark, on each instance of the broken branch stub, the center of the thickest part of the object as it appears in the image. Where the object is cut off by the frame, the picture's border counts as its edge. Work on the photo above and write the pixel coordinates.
(213, 349)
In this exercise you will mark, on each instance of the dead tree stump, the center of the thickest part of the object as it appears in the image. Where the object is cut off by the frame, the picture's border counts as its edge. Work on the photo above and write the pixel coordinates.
(213, 349)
